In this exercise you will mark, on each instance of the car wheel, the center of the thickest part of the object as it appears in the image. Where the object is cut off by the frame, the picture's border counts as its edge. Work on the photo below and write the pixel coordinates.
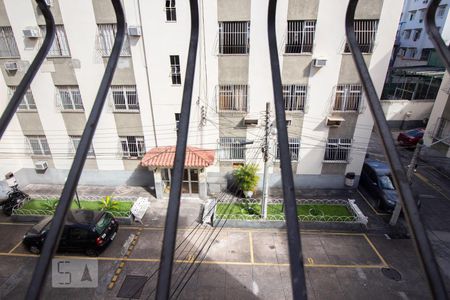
(35, 250)
(91, 252)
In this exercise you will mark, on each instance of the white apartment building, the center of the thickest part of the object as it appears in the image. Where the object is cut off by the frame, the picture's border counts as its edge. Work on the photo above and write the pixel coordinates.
(413, 40)
(329, 120)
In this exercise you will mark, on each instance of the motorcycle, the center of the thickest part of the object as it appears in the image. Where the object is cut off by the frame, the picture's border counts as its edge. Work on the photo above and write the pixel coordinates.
(15, 200)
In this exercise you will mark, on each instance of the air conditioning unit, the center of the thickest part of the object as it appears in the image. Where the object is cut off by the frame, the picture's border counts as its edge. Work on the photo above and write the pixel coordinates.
(319, 62)
(31, 32)
(251, 120)
(41, 165)
(134, 31)
(11, 66)
(334, 121)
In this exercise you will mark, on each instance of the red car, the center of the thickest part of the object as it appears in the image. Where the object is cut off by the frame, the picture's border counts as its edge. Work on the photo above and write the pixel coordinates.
(411, 137)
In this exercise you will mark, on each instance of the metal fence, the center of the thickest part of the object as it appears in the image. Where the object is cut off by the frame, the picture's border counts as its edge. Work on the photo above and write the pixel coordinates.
(68, 98)
(338, 150)
(124, 98)
(8, 46)
(300, 36)
(233, 97)
(365, 32)
(294, 96)
(106, 34)
(27, 102)
(231, 148)
(347, 97)
(234, 37)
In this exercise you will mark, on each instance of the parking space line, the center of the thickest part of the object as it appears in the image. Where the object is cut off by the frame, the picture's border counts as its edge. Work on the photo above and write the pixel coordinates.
(16, 223)
(424, 179)
(15, 247)
(250, 239)
(368, 203)
(376, 250)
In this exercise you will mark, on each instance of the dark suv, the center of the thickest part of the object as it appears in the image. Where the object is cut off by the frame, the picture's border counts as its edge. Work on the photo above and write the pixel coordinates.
(85, 231)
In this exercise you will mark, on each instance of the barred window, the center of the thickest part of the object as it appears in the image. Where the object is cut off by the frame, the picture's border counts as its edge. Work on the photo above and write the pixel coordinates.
(8, 46)
(365, 31)
(411, 52)
(171, 13)
(347, 97)
(338, 150)
(106, 37)
(75, 142)
(27, 102)
(441, 11)
(175, 69)
(406, 34)
(294, 96)
(412, 14)
(124, 98)
(234, 37)
(60, 46)
(233, 97)
(132, 146)
(294, 149)
(300, 36)
(416, 34)
(231, 148)
(442, 130)
(69, 98)
(38, 145)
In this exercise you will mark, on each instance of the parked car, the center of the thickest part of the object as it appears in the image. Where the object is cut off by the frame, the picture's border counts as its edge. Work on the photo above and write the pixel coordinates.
(85, 231)
(411, 137)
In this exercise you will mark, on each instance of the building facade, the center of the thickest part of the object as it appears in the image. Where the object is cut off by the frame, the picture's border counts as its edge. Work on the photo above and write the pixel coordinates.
(329, 123)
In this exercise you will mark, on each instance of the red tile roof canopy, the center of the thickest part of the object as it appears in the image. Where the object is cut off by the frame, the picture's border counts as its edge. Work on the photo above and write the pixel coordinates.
(163, 157)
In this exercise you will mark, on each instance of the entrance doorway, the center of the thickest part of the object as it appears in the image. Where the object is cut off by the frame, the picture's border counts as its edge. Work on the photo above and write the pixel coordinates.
(190, 181)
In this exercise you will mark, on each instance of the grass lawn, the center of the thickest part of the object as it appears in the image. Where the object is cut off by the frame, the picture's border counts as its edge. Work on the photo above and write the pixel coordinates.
(122, 206)
(274, 211)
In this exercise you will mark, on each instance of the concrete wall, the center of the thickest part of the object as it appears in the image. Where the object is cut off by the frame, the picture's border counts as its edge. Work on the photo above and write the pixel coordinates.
(396, 112)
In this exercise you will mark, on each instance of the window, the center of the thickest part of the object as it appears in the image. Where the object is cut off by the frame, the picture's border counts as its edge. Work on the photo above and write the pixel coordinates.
(294, 97)
(412, 15)
(416, 34)
(38, 145)
(27, 102)
(106, 37)
(294, 148)
(300, 36)
(442, 130)
(411, 52)
(177, 120)
(60, 46)
(69, 98)
(406, 34)
(338, 150)
(426, 52)
(365, 31)
(441, 11)
(124, 98)
(401, 52)
(231, 148)
(171, 12)
(132, 146)
(8, 46)
(75, 141)
(347, 97)
(422, 15)
(175, 70)
(234, 37)
(233, 97)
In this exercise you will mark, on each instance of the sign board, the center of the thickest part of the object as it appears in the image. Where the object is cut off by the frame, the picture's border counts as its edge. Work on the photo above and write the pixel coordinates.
(140, 208)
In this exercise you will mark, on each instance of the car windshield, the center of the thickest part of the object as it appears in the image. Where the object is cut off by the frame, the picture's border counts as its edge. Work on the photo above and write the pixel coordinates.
(386, 182)
(43, 225)
(103, 223)
(415, 133)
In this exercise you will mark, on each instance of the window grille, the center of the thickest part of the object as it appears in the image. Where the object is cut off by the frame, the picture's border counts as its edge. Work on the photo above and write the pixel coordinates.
(60, 46)
(440, 13)
(421, 15)
(365, 31)
(401, 52)
(300, 36)
(38, 145)
(124, 98)
(294, 97)
(233, 97)
(412, 14)
(69, 98)
(8, 46)
(410, 52)
(132, 146)
(171, 12)
(425, 54)
(338, 150)
(234, 37)
(416, 35)
(347, 97)
(175, 69)
(106, 34)
(232, 148)
(294, 149)
(75, 141)
(407, 34)
(27, 102)
(442, 130)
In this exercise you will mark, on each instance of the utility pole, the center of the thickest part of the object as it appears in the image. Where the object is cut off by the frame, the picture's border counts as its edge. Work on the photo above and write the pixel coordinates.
(266, 151)
(409, 174)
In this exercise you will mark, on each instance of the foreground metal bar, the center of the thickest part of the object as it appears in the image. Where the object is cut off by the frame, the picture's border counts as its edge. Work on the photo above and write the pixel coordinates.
(293, 231)
(435, 36)
(170, 228)
(411, 212)
(24, 84)
(51, 242)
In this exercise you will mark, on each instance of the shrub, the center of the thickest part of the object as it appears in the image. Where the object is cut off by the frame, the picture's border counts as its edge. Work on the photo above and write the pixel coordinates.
(108, 204)
(246, 177)
(50, 205)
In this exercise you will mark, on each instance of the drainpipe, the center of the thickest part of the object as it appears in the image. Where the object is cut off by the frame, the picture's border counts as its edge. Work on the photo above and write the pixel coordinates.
(147, 74)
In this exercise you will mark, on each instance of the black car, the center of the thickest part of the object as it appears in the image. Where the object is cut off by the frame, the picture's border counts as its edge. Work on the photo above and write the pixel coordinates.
(84, 231)
(377, 180)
